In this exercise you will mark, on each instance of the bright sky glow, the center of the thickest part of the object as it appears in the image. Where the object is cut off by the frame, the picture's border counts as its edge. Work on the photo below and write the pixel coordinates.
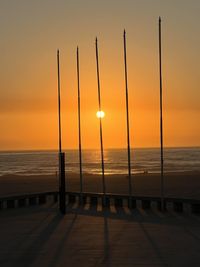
(32, 31)
(100, 114)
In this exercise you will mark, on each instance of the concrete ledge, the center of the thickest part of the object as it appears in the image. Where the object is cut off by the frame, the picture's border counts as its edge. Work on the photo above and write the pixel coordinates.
(159, 205)
(105, 201)
(42, 199)
(93, 200)
(71, 198)
(22, 202)
(82, 199)
(146, 204)
(55, 197)
(132, 204)
(195, 208)
(32, 201)
(178, 204)
(118, 202)
(11, 203)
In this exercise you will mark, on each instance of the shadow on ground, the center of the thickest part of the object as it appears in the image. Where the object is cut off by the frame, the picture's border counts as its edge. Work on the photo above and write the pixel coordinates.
(92, 236)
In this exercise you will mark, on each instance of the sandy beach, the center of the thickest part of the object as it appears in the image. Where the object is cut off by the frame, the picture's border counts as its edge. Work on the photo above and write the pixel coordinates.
(185, 184)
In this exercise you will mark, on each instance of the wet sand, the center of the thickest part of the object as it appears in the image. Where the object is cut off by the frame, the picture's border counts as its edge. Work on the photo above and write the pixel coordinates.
(176, 184)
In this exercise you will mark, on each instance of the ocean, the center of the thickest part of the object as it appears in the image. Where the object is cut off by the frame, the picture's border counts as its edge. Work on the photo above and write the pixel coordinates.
(142, 160)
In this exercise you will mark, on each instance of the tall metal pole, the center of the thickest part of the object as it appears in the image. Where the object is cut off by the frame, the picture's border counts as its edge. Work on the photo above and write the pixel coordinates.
(161, 118)
(59, 116)
(127, 122)
(61, 155)
(79, 125)
(100, 121)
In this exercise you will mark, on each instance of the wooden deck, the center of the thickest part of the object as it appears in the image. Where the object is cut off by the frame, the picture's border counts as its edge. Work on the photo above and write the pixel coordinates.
(92, 235)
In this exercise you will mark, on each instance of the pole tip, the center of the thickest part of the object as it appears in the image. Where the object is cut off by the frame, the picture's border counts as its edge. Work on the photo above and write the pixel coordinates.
(124, 32)
(58, 51)
(96, 40)
(77, 48)
(159, 18)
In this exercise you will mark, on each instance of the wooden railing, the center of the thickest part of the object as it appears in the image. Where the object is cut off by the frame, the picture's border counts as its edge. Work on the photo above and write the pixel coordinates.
(145, 202)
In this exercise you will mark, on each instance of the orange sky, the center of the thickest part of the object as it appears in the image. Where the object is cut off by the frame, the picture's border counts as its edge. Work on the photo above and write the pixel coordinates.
(31, 32)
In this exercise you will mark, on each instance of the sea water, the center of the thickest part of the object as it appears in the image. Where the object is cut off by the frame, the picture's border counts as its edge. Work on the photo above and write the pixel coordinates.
(142, 160)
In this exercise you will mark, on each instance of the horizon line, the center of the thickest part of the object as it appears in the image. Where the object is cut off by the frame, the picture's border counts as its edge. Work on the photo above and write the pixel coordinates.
(110, 148)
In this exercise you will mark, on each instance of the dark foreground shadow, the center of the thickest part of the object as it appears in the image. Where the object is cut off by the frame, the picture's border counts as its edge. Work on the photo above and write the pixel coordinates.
(52, 240)
(135, 215)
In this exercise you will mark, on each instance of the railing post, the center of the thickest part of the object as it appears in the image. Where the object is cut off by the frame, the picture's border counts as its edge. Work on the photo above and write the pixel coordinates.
(62, 199)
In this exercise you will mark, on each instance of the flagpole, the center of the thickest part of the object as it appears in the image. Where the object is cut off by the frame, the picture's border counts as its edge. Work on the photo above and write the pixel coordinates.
(100, 122)
(161, 117)
(127, 122)
(79, 124)
(62, 203)
(59, 115)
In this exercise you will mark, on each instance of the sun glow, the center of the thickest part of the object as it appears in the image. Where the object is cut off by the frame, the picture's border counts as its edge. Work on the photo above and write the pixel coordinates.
(100, 114)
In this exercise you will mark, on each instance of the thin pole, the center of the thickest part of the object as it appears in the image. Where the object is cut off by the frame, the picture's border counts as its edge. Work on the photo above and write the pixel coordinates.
(61, 155)
(161, 118)
(79, 124)
(100, 121)
(59, 105)
(127, 122)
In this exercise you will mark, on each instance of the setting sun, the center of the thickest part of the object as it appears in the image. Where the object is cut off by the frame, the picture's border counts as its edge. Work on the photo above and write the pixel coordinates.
(100, 114)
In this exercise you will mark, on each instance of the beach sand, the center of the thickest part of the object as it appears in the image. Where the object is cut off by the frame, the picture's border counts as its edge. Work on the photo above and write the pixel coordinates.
(176, 184)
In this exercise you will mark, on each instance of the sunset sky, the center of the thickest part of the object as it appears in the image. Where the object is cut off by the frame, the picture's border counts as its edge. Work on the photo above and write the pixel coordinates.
(31, 32)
